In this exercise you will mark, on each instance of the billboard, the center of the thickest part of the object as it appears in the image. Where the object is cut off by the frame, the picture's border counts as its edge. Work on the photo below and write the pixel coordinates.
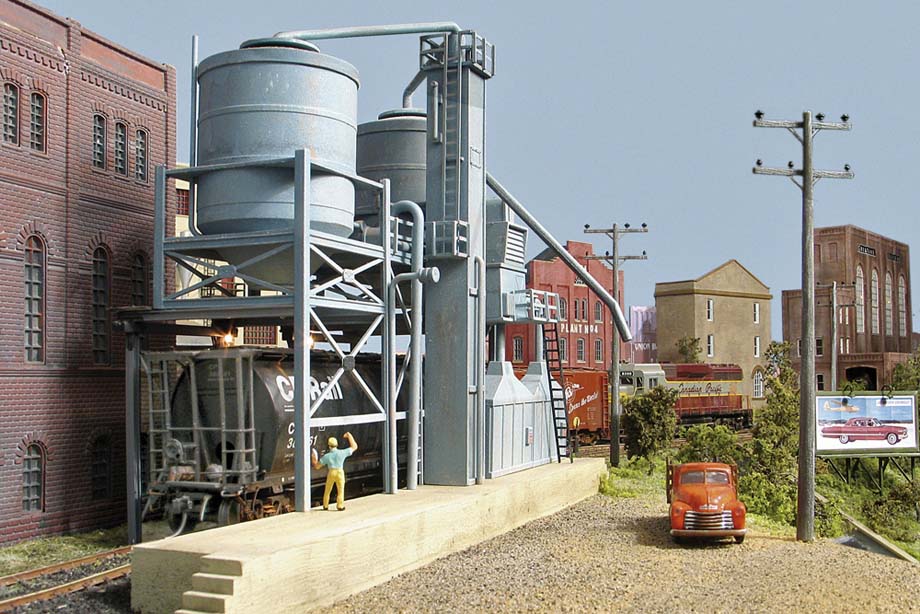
(866, 423)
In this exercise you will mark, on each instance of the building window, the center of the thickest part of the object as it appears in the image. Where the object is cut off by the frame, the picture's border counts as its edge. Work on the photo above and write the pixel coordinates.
(563, 349)
(121, 149)
(10, 114)
(261, 335)
(100, 306)
(37, 122)
(563, 305)
(598, 350)
(889, 305)
(757, 347)
(758, 384)
(902, 306)
(756, 313)
(873, 299)
(99, 141)
(580, 350)
(518, 349)
(584, 309)
(598, 312)
(34, 273)
(140, 155)
(819, 346)
(709, 309)
(860, 300)
(139, 280)
(101, 468)
(798, 346)
(33, 479)
(182, 202)
(848, 345)
(710, 345)
(819, 380)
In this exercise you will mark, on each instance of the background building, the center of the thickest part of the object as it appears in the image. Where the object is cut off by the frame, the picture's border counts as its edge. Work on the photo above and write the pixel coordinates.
(585, 326)
(644, 328)
(874, 324)
(84, 124)
(728, 309)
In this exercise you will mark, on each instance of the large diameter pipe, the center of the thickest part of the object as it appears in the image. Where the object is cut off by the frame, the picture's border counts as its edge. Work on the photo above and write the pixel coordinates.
(410, 89)
(193, 139)
(363, 31)
(415, 342)
(516, 206)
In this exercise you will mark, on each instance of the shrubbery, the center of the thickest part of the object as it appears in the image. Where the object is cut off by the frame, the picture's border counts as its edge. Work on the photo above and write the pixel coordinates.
(649, 423)
(896, 513)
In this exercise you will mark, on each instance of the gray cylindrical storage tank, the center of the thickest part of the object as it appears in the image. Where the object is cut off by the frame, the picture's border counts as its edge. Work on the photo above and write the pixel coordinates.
(266, 101)
(394, 148)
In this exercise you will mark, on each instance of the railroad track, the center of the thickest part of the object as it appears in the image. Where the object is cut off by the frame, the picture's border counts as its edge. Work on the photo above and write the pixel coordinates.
(68, 586)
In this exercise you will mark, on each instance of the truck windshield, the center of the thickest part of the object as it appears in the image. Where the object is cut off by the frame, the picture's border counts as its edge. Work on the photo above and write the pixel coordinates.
(692, 477)
(716, 477)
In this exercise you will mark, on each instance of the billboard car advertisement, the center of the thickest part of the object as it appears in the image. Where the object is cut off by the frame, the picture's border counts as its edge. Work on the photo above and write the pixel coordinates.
(866, 423)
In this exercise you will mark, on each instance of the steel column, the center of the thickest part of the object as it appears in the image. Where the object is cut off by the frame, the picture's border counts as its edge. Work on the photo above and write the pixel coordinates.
(133, 432)
(302, 441)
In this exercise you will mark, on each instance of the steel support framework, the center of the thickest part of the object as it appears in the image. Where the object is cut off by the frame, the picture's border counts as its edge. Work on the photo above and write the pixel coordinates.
(341, 288)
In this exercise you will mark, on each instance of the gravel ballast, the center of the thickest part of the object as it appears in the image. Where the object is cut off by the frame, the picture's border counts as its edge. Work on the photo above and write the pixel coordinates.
(615, 555)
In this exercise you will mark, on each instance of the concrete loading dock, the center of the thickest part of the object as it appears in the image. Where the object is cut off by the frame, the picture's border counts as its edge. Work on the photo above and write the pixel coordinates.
(302, 561)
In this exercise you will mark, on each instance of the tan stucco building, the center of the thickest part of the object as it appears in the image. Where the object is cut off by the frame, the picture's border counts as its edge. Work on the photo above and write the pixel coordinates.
(728, 309)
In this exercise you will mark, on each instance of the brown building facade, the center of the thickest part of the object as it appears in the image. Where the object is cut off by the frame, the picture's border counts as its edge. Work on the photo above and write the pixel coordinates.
(728, 310)
(874, 324)
(84, 124)
(585, 325)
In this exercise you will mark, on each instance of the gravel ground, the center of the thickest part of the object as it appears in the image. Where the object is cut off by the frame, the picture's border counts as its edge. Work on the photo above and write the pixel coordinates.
(615, 555)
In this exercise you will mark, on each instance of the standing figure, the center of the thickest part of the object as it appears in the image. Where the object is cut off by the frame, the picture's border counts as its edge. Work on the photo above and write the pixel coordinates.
(334, 461)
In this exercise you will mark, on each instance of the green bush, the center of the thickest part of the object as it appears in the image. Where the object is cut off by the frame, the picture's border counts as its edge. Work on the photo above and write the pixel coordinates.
(649, 422)
(708, 443)
(895, 513)
(762, 495)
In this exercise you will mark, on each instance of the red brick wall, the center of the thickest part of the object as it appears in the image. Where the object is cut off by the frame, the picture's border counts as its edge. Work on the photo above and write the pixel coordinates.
(68, 401)
(554, 276)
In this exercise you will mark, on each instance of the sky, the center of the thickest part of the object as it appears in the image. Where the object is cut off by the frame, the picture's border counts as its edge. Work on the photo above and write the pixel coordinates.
(616, 112)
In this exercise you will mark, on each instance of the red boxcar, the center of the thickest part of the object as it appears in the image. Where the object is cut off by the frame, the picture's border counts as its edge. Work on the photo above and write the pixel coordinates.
(588, 400)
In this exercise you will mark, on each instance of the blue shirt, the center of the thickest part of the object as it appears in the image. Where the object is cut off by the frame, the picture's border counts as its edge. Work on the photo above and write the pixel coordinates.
(335, 458)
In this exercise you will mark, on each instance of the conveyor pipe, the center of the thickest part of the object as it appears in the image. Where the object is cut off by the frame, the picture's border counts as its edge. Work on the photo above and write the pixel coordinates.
(516, 206)
(410, 89)
(364, 31)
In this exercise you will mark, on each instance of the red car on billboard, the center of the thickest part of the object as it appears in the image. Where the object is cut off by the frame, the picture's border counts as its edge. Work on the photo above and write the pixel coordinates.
(857, 429)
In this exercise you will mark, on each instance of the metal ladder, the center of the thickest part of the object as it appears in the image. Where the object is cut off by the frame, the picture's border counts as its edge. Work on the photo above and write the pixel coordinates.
(240, 461)
(557, 394)
(159, 411)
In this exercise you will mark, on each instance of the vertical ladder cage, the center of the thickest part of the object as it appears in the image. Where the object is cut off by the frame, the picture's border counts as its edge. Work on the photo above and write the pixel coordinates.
(556, 393)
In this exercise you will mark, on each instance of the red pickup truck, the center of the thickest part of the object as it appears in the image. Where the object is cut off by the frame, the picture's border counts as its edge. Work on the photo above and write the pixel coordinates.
(704, 501)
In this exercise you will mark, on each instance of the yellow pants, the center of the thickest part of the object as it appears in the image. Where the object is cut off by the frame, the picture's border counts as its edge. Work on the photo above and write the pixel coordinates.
(337, 477)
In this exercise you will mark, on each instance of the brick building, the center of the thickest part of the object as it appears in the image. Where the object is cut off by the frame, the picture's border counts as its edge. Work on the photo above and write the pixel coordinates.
(728, 310)
(84, 124)
(874, 324)
(585, 327)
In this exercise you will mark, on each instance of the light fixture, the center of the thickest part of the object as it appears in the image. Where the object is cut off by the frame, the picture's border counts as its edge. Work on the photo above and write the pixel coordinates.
(228, 338)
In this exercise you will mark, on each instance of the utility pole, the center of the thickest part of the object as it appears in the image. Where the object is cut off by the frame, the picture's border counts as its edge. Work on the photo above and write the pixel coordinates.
(805, 505)
(835, 311)
(614, 233)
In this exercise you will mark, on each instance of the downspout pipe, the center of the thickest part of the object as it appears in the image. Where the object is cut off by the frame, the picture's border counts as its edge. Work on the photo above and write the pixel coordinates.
(410, 89)
(415, 343)
(480, 418)
(618, 319)
(364, 31)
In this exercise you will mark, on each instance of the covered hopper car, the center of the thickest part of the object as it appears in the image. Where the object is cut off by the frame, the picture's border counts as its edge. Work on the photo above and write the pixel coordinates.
(223, 447)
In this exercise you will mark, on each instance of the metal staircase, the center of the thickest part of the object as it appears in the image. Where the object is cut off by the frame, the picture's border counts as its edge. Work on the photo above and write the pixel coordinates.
(557, 393)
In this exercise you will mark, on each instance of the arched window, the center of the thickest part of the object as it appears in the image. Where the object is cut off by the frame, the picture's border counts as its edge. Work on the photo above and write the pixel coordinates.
(38, 119)
(598, 350)
(584, 309)
(902, 306)
(99, 141)
(563, 309)
(758, 384)
(121, 148)
(889, 305)
(140, 155)
(10, 114)
(139, 280)
(563, 349)
(598, 312)
(518, 349)
(100, 306)
(101, 468)
(860, 300)
(873, 302)
(580, 350)
(34, 274)
(33, 479)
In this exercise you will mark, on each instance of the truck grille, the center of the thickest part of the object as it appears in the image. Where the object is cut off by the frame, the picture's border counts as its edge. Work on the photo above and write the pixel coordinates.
(708, 520)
